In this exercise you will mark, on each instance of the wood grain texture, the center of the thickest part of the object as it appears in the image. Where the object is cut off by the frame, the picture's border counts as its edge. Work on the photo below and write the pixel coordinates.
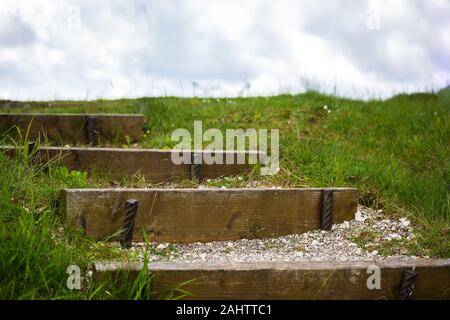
(191, 215)
(116, 163)
(70, 128)
(292, 280)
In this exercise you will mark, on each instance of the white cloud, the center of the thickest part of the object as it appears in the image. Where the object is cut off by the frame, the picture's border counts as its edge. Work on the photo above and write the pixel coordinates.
(78, 49)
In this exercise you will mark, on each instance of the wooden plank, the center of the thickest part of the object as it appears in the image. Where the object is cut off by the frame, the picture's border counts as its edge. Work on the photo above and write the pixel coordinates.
(71, 128)
(191, 215)
(292, 280)
(10, 104)
(152, 164)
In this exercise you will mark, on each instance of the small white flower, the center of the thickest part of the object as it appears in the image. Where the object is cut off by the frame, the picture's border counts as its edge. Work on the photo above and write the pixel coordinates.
(329, 111)
(325, 107)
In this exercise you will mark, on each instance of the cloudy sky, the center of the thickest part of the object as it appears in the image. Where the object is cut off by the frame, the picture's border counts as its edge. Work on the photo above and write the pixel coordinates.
(88, 49)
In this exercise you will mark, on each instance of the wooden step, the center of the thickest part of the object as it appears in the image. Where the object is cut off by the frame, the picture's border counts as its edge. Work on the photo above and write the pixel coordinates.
(191, 215)
(76, 128)
(292, 280)
(152, 164)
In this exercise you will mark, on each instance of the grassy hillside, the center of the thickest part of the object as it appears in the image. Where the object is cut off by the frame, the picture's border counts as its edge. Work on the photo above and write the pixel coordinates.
(395, 151)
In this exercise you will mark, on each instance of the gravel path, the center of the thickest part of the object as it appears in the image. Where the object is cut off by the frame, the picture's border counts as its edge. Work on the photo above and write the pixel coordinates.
(359, 239)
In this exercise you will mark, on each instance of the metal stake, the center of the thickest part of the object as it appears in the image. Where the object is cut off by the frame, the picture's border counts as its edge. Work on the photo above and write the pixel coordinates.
(407, 286)
(31, 146)
(130, 212)
(326, 218)
(195, 166)
(90, 130)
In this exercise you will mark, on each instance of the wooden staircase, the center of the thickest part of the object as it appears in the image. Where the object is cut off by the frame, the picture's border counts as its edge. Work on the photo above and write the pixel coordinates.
(204, 215)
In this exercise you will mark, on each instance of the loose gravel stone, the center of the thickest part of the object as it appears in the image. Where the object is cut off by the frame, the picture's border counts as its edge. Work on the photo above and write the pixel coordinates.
(161, 246)
(368, 230)
(405, 222)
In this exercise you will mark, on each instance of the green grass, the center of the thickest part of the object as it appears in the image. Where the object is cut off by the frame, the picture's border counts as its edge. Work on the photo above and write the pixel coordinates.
(36, 247)
(396, 152)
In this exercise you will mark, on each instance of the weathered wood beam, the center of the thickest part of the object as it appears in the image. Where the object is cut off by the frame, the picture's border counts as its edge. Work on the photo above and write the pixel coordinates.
(292, 280)
(153, 164)
(76, 128)
(191, 215)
